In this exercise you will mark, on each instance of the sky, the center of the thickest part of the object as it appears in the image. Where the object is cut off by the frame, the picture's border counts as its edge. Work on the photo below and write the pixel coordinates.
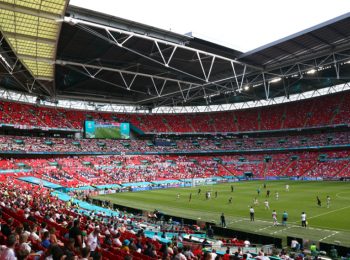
(240, 24)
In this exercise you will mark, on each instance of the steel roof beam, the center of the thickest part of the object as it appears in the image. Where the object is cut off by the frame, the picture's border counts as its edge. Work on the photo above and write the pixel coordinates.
(138, 74)
(84, 72)
(74, 21)
(312, 56)
(111, 38)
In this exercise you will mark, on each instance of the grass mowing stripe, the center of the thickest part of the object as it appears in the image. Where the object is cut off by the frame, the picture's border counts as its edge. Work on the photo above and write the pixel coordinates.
(301, 197)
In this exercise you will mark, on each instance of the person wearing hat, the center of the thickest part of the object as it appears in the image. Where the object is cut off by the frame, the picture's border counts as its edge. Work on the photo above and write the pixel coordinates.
(125, 246)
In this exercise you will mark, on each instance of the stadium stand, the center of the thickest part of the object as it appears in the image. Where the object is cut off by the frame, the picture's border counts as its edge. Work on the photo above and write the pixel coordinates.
(51, 174)
(90, 170)
(38, 144)
(298, 114)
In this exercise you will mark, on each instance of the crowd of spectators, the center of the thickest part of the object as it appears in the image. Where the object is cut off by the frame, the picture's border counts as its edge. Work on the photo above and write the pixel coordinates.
(321, 111)
(39, 144)
(37, 225)
(116, 169)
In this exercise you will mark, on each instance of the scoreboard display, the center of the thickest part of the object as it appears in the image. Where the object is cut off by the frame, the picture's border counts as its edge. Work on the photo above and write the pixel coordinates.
(106, 130)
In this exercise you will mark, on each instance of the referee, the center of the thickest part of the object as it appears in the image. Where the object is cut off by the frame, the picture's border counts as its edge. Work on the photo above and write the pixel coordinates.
(251, 213)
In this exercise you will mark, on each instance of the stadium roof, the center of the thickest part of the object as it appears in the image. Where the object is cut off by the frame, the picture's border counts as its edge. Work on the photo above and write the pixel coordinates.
(31, 31)
(108, 59)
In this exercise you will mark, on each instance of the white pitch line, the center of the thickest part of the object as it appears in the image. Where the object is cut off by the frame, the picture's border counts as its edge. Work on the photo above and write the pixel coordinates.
(325, 213)
(248, 219)
(260, 229)
(335, 232)
(282, 230)
(341, 197)
(264, 221)
(329, 212)
(289, 225)
(236, 221)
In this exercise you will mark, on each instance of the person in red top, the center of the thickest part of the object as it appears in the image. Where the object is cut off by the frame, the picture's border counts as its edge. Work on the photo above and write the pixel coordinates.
(197, 251)
(20, 212)
(226, 255)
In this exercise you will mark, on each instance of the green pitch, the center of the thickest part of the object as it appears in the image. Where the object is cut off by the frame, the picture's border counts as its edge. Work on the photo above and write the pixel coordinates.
(324, 224)
(110, 132)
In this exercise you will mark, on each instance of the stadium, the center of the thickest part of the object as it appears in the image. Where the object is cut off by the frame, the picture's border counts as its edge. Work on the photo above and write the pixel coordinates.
(121, 140)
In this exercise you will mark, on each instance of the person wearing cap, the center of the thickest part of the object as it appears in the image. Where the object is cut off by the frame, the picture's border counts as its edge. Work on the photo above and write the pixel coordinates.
(125, 246)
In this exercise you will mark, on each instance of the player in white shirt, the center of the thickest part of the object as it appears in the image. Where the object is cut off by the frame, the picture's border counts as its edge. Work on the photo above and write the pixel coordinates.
(252, 213)
(328, 202)
(303, 219)
(274, 218)
(287, 187)
(267, 206)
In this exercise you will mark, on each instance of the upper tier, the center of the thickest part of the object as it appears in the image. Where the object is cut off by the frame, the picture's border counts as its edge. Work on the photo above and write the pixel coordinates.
(327, 110)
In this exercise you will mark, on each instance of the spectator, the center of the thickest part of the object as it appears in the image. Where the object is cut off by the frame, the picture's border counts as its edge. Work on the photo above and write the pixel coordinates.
(46, 240)
(75, 232)
(125, 246)
(8, 253)
(333, 253)
(85, 253)
(6, 229)
(294, 245)
(210, 232)
(93, 240)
